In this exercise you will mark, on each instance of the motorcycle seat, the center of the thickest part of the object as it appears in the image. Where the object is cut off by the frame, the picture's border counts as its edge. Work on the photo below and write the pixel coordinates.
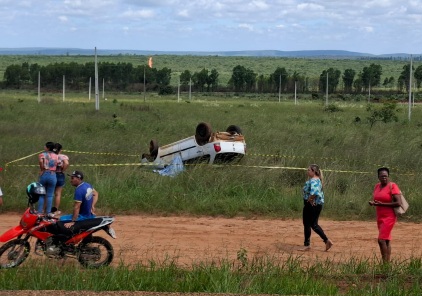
(79, 226)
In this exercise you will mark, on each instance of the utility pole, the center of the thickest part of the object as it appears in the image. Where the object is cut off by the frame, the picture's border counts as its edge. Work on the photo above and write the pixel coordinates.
(326, 91)
(89, 90)
(190, 89)
(178, 91)
(144, 85)
(39, 86)
(63, 87)
(279, 89)
(97, 95)
(410, 87)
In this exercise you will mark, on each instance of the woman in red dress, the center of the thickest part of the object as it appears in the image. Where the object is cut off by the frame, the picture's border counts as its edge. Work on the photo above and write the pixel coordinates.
(386, 197)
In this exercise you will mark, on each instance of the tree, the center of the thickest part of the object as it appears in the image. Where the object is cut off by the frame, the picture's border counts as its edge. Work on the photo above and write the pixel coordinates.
(12, 76)
(333, 80)
(264, 83)
(297, 79)
(34, 69)
(242, 79)
(348, 78)
(250, 80)
(280, 78)
(371, 76)
(185, 77)
(404, 77)
(418, 76)
(163, 78)
(358, 84)
(388, 82)
(213, 80)
(238, 78)
(200, 79)
(25, 77)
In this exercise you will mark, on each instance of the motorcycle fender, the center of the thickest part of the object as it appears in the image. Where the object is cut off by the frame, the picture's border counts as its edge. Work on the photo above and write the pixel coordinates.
(11, 233)
(77, 238)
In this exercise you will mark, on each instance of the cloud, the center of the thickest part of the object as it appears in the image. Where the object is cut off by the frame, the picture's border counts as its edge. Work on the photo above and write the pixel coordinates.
(310, 7)
(277, 24)
(246, 26)
(63, 18)
(143, 13)
(183, 13)
(367, 29)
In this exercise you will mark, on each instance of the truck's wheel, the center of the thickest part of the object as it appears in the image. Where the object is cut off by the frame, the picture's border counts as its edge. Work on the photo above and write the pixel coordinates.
(234, 129)
(153, 148)
(203, 133)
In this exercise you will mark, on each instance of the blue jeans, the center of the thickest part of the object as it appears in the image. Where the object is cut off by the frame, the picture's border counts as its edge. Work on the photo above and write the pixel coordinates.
(48, 180)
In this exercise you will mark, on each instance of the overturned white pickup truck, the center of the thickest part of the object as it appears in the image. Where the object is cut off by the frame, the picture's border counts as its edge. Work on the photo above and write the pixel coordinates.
(205, 146)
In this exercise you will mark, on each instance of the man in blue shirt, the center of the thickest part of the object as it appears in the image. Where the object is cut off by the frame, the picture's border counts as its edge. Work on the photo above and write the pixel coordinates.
(85, 199)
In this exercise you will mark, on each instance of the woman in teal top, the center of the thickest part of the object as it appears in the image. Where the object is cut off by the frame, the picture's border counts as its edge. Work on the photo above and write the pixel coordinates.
(313, 198)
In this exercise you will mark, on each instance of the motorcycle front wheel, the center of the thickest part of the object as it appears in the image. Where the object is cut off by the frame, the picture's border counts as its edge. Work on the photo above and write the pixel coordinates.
(95, 252)
(13, 253)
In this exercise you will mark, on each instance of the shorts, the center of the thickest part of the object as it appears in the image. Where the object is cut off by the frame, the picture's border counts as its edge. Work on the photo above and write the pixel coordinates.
(61, 179)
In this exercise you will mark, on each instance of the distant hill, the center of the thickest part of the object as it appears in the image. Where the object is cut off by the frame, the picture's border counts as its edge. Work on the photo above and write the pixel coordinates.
(255, 53)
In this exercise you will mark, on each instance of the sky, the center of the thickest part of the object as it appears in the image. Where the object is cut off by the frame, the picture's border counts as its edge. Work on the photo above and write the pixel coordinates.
(374, 27)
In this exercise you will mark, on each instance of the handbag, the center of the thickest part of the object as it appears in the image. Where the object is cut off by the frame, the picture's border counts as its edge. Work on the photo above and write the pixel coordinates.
(404, 205)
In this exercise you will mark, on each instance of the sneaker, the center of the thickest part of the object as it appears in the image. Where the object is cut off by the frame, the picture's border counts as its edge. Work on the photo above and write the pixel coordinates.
(328, 245)
(304, 248)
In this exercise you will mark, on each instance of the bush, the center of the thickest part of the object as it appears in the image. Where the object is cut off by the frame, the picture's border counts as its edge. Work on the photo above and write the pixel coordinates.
(387, 113)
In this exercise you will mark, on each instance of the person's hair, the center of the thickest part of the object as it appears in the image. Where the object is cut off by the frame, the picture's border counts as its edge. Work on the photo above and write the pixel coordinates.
(58, 147)
(383, 169)
(318, 172)
(50, 146)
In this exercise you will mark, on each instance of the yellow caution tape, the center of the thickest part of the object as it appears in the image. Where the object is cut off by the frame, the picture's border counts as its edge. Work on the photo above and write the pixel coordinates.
(233, 165)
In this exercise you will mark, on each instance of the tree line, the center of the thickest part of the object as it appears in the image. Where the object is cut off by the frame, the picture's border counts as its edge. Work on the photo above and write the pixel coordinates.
(126, 77)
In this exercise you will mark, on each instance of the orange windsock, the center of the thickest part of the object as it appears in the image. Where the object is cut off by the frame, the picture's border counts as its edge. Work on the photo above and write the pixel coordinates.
(150, 62)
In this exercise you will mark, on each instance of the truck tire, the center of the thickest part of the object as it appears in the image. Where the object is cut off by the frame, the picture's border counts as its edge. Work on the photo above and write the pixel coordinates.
(234, 129)
(153, 148)
(203, 133)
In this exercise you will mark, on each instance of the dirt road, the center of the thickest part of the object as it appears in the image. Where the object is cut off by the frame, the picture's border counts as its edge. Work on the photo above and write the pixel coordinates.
(189, 239)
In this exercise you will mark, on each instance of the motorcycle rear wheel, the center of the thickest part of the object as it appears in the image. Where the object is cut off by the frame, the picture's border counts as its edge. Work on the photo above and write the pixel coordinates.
(14, 253)
(95, 252)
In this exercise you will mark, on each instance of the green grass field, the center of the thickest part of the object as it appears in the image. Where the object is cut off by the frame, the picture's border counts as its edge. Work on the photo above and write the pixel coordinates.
(282, 140)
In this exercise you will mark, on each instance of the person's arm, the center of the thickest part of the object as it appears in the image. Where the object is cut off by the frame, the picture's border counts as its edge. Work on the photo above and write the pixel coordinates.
(41, 162)
(94, 200)
(311, 200)
(76, 208)
(395, 203)
(65, 164)
(313, 192)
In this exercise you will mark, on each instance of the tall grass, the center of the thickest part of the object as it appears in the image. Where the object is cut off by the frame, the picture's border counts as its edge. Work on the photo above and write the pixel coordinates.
(261, 275)
(282, 139)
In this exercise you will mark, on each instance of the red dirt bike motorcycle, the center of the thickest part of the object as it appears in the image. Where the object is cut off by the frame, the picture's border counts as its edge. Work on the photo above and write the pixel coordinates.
(56, 241)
